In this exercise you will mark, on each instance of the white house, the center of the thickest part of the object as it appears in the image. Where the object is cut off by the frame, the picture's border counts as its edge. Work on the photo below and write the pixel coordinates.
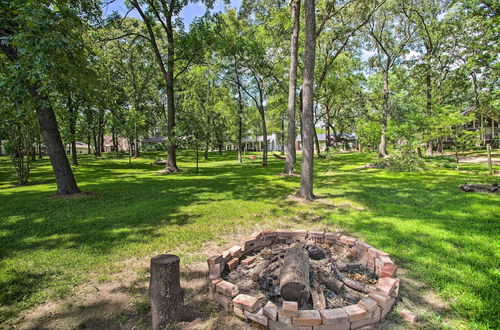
(256, 144)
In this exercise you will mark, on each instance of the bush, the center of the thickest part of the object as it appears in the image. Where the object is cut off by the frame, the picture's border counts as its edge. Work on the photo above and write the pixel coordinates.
(402, 161)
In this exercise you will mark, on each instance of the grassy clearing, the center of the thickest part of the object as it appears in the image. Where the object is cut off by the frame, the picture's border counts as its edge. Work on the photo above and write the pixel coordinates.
(443, 237)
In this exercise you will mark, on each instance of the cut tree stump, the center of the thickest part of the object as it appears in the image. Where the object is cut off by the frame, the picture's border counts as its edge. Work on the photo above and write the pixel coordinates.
(165, 290)
(294, 277)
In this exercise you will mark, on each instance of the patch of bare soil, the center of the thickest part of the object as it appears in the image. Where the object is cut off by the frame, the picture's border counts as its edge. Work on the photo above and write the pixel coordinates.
(122, 302)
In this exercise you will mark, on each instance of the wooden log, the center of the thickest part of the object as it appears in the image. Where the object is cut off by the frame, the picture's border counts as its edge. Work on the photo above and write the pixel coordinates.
(318, 298)
(259, 269)
(326, 278)
(165, 290)
(353, 284)
(294, 277)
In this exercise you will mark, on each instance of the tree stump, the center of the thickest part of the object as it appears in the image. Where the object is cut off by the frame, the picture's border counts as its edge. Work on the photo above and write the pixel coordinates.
(165, 290)
(294, 277)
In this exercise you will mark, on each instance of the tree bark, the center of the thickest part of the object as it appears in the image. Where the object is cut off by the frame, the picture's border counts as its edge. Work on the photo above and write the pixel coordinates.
(294, 276)
(72, 129)
(240, 110)
(306, 177)
(165, 290)
(382, 148)
(428, 93)
(264, 135)
(291, 156)
(66, 183)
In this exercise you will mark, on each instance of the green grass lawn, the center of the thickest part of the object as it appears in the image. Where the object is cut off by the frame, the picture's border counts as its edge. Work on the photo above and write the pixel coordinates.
(447, 239)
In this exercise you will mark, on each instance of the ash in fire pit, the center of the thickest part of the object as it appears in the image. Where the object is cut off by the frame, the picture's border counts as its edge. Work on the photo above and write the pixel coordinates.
(301, 278)
(318, 289)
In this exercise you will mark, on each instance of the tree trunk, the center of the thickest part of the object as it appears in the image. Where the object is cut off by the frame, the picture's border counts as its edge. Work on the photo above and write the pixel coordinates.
(428, 93)
(168, 77)
(316, 142)
(291, 156)
(306, 177)
(0, 147)
(294, 276)
(165, 290)
(66, 183)
(240, 110)
(88, 145)
(72, 130)
(264, 135)
(382, 149)
(490, 167)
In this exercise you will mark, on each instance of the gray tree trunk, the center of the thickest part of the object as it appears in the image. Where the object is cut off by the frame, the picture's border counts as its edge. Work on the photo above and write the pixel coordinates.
(165, 290)
(382, 148)
(306, 177)
(291, 156)
(66, 183)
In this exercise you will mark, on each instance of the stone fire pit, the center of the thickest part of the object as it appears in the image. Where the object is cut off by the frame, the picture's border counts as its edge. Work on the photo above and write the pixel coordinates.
(299, 279)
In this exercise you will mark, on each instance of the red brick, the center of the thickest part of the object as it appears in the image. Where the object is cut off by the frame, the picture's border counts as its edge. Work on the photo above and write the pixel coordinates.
(236, 251)
(224, 301)
(248, 261)
(283, 234)
(258, 317)
(269, 233)
(212, 284)
(339, 326)
(250, 244)
(371, 318)
(257, 235)
(385, 266)
(347, 240)
(229, 289)
(215, 271)
(381, 299)
(307, 318)
(316, 234)
(214, 260)
(277, 325)
(239, 312)
(289, 309)
(368, 304)
(299, 233)
(374, 253)
(355, 313)
(284, 319)
(388, 286)
(270, 310)
(233, 264)
(334, 316)
(408, 316)
(246, 302)
(332, 237)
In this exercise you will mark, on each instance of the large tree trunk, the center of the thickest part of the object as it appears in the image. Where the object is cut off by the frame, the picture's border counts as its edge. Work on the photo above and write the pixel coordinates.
(291, 156)
(306, 177)
(382, 148)
(294, 276)
(172, 157)
(66, 183)
(165, 290)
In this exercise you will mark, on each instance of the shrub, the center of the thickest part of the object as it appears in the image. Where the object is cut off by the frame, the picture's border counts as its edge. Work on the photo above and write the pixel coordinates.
(402, 161)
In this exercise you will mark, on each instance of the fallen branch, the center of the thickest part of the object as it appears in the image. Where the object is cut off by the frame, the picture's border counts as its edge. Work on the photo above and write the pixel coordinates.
(353, 284)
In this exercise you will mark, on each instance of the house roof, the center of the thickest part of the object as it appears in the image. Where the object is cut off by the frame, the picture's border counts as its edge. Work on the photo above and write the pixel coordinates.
(322, 137)
(158, 139)
(270, 138)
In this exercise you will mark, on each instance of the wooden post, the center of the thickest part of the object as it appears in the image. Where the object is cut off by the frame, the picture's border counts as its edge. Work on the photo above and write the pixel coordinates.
(490, 169)
(165, 290)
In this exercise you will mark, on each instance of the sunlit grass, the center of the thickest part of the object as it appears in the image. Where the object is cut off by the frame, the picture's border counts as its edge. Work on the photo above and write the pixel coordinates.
(443, 237)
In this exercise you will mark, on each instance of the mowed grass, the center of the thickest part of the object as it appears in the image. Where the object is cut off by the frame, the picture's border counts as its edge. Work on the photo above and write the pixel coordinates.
(445, 238)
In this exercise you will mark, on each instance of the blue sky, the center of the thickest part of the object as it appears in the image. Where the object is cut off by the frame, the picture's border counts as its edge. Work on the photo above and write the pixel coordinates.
(189, 12)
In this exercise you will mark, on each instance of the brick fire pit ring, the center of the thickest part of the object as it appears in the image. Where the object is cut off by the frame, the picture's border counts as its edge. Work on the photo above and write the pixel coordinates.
(370, 309)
